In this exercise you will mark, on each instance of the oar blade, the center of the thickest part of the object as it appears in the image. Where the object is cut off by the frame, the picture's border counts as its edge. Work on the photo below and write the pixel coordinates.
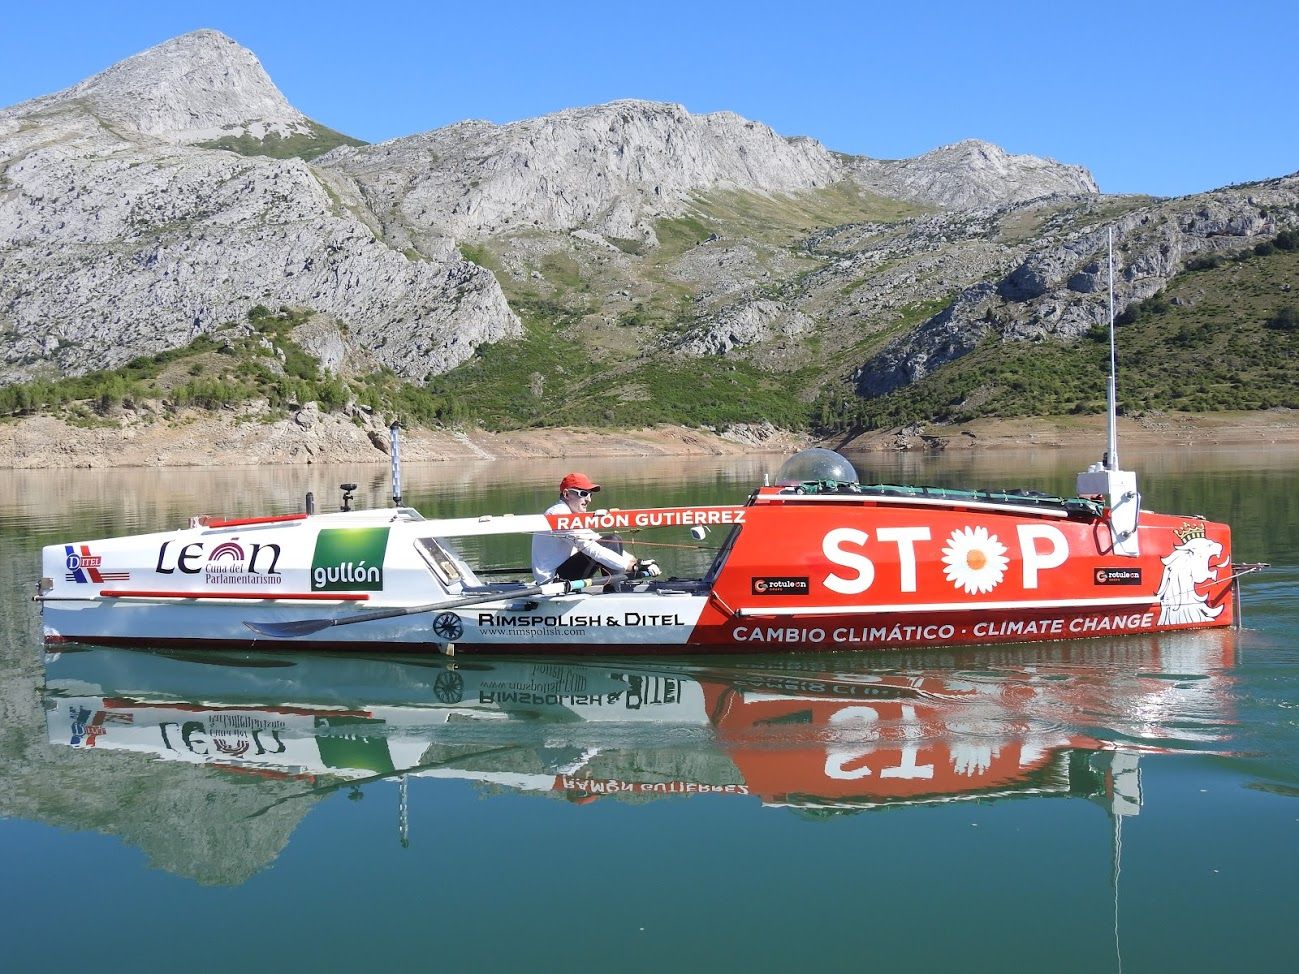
(305, 627)
(288, 630)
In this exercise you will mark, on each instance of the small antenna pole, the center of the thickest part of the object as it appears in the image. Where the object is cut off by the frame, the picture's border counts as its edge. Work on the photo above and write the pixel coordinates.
(394, 443)
(1112, 456)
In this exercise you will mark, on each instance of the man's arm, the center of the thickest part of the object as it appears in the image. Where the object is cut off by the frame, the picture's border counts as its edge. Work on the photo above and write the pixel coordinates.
(588, 542)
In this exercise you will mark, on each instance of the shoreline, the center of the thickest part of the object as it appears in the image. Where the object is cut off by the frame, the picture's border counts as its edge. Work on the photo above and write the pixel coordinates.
(312, 437)
(1152, 429)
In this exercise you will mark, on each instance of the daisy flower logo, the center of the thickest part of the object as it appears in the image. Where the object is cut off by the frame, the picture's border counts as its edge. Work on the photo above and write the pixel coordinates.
(976, 561)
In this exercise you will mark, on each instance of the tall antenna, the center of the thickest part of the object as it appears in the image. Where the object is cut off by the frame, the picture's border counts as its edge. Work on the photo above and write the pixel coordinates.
(1112, 453)
(1105, 479)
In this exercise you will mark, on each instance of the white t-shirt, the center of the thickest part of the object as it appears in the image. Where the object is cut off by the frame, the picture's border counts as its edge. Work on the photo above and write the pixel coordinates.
(549, 551)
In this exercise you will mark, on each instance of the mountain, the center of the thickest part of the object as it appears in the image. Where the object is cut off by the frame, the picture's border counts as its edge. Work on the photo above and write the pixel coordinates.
(615, 169)
(618, 264)
(971, 174)
(122, 235)
(189, 89)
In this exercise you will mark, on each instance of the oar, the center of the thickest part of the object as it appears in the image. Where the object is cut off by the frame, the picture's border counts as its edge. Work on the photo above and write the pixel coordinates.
(305, 627)
(640, 542)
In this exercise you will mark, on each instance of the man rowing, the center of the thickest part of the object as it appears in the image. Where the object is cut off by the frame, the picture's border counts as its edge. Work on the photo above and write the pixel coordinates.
(579, 552)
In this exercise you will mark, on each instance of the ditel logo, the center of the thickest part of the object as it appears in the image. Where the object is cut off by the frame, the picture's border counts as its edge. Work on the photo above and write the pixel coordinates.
(349, 560)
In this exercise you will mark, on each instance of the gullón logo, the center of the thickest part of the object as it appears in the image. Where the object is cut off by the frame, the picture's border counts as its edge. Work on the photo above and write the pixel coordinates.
(349, 560)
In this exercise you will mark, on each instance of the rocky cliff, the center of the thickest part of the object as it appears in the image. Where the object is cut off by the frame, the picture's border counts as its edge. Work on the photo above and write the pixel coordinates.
(1060, 288)
(118, 238)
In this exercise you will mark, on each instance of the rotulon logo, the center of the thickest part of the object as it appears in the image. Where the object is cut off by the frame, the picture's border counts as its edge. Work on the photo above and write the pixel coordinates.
(1118, 576)
(782, 585)
(349, 559)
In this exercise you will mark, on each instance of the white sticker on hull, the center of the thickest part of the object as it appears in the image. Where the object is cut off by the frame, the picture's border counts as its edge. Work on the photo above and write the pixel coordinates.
(1185, 568)
(640, 620)
(974, 560)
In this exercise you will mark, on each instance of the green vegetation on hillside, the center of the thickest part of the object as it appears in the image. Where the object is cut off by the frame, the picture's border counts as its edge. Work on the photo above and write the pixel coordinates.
(549, 378)
(785, 218)
(1222, 336)
(536, 382)
(772, 219)
(592, 352)
(308, 147)
(228, 368)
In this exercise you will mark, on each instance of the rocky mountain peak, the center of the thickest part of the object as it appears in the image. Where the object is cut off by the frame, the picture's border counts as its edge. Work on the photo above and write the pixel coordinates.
(616, 168)
(199, 86)
(612, 168)
(986, 162)
(973, 173)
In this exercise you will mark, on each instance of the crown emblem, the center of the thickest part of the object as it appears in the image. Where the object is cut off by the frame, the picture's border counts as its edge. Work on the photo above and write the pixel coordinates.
(1189, 532)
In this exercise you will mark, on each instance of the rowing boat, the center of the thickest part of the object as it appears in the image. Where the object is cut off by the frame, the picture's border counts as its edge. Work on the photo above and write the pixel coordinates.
(814, 561)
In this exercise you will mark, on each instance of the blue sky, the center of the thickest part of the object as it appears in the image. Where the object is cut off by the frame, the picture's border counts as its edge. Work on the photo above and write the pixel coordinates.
(1159, 97)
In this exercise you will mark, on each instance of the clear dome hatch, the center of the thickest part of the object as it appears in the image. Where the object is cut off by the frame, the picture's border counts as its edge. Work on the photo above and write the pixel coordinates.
(817, 465)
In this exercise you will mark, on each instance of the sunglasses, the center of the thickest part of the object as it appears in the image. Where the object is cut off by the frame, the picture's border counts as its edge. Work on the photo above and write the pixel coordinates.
(579, 492)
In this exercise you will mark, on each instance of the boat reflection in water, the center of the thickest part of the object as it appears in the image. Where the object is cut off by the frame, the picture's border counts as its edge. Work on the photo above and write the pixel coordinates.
(814, 733)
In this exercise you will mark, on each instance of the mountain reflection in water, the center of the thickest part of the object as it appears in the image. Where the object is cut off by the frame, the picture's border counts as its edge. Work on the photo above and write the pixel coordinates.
(822, 735)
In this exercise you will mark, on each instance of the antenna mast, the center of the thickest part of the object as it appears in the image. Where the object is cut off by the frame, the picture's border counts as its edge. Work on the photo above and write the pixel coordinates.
(1112, 453)
(1104, 479)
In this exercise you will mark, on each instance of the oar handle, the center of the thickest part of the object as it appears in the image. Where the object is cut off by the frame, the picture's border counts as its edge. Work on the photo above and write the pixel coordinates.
(547, 588)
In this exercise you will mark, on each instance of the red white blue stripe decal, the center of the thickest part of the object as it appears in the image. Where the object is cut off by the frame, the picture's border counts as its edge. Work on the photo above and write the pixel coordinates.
(84, 567)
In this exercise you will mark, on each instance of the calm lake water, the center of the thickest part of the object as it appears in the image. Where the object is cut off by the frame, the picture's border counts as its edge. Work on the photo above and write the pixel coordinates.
(1103, 805)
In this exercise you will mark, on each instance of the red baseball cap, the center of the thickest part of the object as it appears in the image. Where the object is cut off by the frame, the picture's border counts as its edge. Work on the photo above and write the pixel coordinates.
(578, 481)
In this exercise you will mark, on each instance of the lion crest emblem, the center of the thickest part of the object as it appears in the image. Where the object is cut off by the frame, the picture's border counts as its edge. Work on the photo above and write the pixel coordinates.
(1187, 566)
